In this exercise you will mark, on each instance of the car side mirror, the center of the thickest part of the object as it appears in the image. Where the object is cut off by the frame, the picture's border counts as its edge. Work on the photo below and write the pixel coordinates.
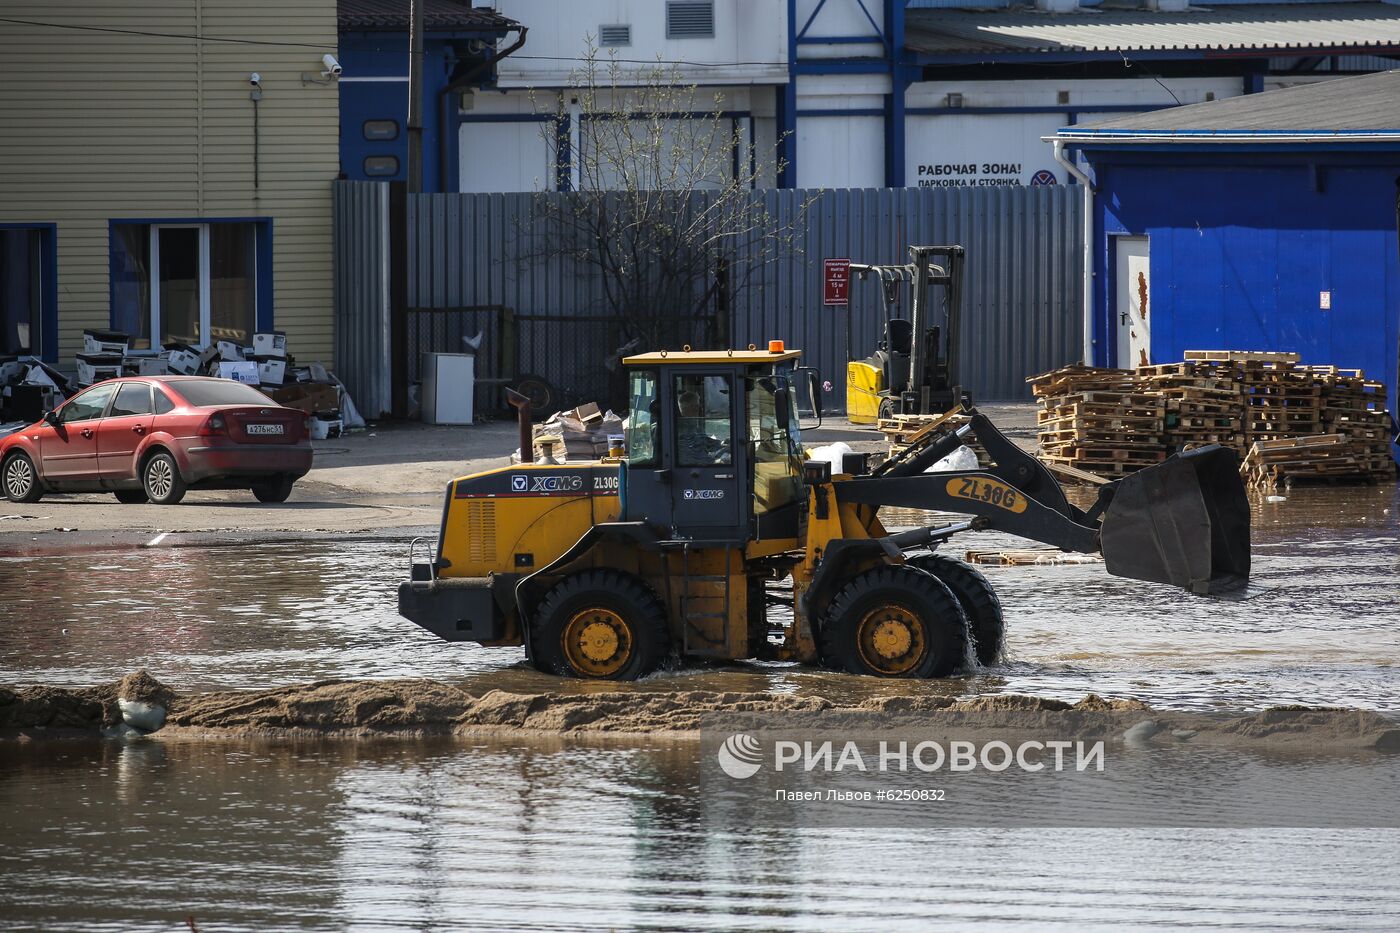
(51, 417)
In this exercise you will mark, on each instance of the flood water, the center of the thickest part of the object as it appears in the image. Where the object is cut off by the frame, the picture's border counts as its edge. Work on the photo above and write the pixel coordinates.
(553, 834)
(1321, 626)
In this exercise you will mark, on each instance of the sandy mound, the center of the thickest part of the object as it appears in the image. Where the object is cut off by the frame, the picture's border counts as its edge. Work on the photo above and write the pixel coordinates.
(425, 707)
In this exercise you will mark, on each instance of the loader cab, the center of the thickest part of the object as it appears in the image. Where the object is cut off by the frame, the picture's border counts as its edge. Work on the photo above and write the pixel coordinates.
(714, 450)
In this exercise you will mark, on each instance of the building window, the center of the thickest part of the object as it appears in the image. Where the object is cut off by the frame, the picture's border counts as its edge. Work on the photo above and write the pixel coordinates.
(690, 19)
(192, 283)
(26, 258)
(382, 165)
(615, 35)
(381, 130)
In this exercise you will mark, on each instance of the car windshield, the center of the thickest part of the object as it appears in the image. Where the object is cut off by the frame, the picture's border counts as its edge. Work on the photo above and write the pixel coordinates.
(220, 392)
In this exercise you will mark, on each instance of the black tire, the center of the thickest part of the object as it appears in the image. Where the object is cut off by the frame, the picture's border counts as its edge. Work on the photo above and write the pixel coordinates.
(544, 398)
(130, 496)
(275, 489)
(985, 625)
(897, 605)
(887, 408)
(563, 638)
(21, 480)
(160, 477)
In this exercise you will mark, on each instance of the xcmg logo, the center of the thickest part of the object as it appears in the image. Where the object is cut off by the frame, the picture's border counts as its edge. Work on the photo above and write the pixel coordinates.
(556, 483)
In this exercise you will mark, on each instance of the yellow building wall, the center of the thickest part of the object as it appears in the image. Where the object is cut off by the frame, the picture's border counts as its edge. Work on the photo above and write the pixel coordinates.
(144, 112)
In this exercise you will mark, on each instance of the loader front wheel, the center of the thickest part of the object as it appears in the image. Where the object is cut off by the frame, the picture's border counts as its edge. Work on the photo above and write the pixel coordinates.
(894, 622)
(985, 625)
(602, 625)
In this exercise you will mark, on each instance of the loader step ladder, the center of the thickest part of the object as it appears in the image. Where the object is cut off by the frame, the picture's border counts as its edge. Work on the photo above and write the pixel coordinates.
(700, 605)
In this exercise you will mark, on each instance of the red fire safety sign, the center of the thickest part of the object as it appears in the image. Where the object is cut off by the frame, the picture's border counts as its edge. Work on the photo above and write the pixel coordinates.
(836, 281)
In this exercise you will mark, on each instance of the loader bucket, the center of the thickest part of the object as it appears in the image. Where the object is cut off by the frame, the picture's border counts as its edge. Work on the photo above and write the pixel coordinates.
(1183, 522)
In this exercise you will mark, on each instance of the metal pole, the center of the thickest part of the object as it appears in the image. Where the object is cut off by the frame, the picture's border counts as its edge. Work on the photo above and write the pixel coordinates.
(415, 96)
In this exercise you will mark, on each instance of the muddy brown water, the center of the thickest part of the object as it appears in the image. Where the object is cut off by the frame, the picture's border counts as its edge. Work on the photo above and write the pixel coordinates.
(555, 834)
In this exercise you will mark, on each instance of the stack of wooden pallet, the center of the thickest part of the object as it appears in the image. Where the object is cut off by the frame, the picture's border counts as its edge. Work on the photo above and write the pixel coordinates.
(1104, 421)
(1201, 405)
(1271, 464)
(1286, 420)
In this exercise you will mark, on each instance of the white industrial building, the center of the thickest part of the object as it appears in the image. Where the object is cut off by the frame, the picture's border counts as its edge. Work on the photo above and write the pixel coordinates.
(874, 93)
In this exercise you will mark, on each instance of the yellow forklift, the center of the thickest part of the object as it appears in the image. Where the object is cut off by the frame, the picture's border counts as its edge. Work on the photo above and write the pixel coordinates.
(714, 538)
(914, 368)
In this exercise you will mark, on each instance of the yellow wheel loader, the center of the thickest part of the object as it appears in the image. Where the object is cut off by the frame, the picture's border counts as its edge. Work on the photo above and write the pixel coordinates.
(713, 537)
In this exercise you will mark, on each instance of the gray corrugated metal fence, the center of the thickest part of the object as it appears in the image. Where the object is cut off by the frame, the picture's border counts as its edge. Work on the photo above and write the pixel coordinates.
(1022, 300)
(362, 345)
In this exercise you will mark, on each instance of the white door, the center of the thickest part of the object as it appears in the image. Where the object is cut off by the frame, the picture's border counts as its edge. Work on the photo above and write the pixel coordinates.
(1133, 276)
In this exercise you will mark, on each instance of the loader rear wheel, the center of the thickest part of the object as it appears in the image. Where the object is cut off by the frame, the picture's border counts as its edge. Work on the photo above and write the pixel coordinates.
(603, 625)
(894, 622)
(985, 625)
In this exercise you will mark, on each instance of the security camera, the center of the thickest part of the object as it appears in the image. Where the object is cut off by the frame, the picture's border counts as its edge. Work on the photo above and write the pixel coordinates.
(332, 69)
(255, 79)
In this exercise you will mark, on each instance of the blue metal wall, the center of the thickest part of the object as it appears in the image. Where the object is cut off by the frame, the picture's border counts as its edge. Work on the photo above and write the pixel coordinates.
(1242, 245)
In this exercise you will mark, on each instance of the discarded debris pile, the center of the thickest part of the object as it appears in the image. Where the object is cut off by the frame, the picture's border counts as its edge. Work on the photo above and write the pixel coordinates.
(1105, 421)
(905, 431)
(580, 434)
(140, 705)
(1110, 422)
(28, 388)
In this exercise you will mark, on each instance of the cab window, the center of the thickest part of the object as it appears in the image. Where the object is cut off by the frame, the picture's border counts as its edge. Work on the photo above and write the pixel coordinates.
(643, 425)
(86, 406)
(133, 398)
(777, 458)
(703, 421)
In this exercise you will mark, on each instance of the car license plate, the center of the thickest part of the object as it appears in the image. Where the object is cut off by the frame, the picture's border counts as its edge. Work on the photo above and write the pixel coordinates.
(264, 429)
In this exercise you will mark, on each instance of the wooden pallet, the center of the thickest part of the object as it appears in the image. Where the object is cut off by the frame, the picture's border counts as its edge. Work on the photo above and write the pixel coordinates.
(1239, 356)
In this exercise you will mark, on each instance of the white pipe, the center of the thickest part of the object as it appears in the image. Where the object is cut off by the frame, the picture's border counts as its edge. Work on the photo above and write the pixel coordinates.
(1087, 183)
(1113, 139)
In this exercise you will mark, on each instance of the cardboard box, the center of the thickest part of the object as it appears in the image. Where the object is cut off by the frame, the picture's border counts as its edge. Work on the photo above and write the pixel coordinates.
(152, 366)
(270, 344)
(229, 351)
(184, 362)
(97, 367)
(272, 372)
(309, 397)
(97, 342)
(239, 371)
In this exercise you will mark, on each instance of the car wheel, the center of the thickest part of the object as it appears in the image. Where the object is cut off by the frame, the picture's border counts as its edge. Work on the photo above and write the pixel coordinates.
(130, 496)
(276, 489)
(21, 480)
(161, 478)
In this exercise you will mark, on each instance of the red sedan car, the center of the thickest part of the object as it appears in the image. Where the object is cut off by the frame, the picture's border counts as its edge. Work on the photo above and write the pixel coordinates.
(152, 438)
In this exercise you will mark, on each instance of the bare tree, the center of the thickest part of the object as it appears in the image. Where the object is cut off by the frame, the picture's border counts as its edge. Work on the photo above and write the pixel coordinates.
(663, 211)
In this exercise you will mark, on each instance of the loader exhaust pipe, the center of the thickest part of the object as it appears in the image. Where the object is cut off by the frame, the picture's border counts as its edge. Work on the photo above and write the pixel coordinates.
(1184, 522)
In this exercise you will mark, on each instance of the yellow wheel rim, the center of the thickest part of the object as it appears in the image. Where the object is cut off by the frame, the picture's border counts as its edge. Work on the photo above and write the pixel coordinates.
(597, 642)
(891, 640)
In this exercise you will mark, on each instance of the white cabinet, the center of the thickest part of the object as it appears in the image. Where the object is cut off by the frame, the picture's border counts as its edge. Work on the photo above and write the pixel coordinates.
(449, 380)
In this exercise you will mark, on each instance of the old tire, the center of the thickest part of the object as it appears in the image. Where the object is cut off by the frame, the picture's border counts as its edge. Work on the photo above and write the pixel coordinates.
(601, 625)
(887, 409)
(894, 622)
(160, 475)
(130, 496)
(274, 489)
(21, 479)
(985, 625)
(544, 398)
